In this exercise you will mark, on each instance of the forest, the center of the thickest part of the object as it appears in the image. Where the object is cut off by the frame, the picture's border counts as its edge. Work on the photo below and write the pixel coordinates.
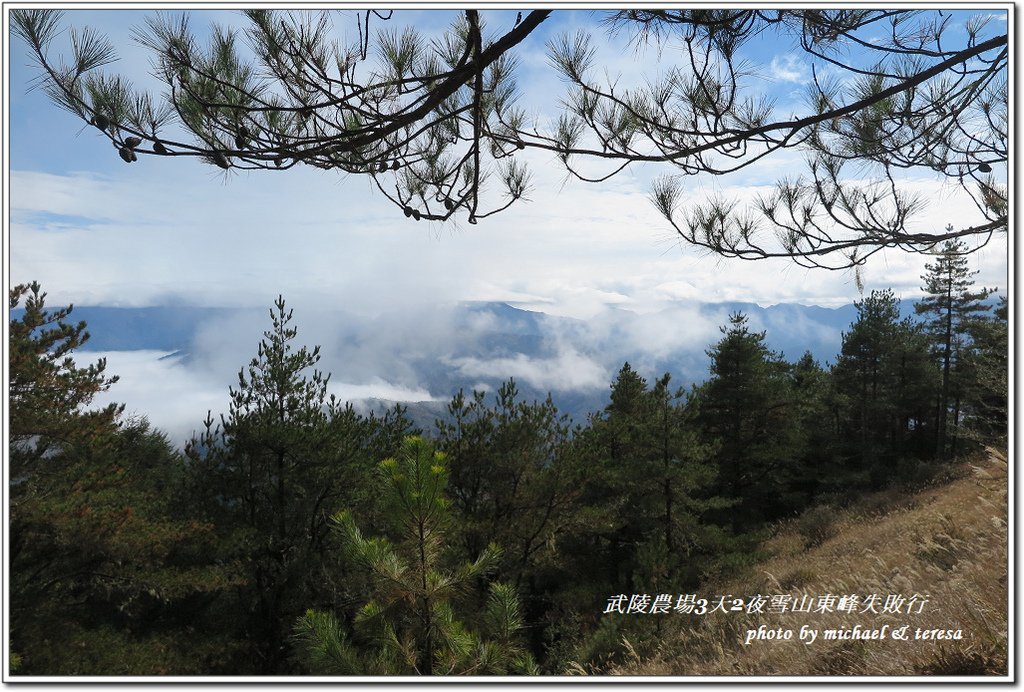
(295, 536)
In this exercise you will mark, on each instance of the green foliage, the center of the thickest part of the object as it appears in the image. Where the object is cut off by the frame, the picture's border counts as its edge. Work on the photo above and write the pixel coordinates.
(267, 475)
(15, 662)
(885, 385)
(409, 625)
(510, 480)
(129, 558)
(643, 521)
(48, 392)
(953, 309)
(986, 400)
(106, 574)
(101, 560)
(750, 407)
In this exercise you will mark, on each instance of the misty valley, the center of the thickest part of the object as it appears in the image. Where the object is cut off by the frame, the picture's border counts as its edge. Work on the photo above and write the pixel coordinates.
(482, 534)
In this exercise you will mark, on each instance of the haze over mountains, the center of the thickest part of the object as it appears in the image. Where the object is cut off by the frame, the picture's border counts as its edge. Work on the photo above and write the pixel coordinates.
(177, 362)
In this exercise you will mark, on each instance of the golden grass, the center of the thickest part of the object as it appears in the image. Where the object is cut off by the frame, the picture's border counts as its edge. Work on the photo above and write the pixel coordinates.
(947, 542)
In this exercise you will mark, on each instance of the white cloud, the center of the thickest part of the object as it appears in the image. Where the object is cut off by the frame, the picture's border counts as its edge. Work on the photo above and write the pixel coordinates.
(378, 389)
(173, 396)
(789, 68)
(567, 371)
(329, 243)
(160, 231)
(664, 333)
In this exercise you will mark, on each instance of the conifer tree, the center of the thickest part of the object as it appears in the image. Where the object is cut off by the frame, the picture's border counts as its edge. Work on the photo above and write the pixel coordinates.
(612, 451)
(811, 385)
(509, 480)
(409, 625)
(646, 487)
(884, 381)
(987, 399)
(952, 307)
(674, 486)
(747, 406)
(106, 571)
(268, 474)
(48, 393)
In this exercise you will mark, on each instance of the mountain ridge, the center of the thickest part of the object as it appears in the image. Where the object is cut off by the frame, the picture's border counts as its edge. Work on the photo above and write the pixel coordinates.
(469, 346)
(171, 327)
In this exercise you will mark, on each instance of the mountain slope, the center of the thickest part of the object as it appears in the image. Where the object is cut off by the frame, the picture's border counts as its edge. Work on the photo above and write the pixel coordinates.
(947, 544)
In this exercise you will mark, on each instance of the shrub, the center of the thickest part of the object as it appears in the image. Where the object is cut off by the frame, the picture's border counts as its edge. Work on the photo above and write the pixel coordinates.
(817, 525)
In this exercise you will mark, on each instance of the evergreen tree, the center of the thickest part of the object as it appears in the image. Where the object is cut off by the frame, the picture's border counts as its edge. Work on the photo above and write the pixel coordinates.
(48, 393)
(107, 575)
(269, 476)
(611, 452)
(644, 522)
(646, 491)
(986, 403)
(811, 387)
(952, 308)
(409, 626)
(673, 487)
(509, 483)
(884, 381)
(747, 406)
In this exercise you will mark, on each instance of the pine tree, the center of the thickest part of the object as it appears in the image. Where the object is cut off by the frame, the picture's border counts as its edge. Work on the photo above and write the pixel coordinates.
(509, 480)
(986, 403)
(747, 406)
(409, 625)
(884, 381)
(48, 393)
(615, 450)
(106, 571)
(269, 475)
(674, 487)
(811, 386)
(645, 489)
(952, 307)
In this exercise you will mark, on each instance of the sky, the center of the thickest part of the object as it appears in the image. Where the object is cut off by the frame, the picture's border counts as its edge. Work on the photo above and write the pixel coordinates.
(94, 231)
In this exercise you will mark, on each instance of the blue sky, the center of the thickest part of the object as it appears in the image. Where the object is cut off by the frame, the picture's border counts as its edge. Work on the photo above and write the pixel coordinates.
(95, 231)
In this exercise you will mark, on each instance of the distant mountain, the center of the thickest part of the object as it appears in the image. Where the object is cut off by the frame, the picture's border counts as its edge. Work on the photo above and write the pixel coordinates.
(476, 345)
(172, 328)
(160, 328)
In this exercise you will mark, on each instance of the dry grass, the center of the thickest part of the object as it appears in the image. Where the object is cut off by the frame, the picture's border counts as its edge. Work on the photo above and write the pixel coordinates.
(947, 542)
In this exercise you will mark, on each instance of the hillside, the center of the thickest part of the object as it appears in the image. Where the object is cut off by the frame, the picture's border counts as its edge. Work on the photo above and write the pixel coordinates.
(947, 542)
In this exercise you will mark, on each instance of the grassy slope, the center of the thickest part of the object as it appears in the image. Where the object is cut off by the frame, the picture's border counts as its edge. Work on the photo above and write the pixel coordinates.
(948, 541)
